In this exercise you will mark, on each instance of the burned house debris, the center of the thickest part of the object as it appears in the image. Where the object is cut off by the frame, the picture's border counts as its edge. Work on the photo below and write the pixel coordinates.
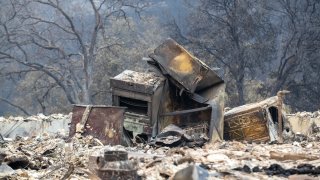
(193, 94)
(35, 125)
(183, 95)
(156, 117)
(113, 165)
(187, 93)
(51, 157)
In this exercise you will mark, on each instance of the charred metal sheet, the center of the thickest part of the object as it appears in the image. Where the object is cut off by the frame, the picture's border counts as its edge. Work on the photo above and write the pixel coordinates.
(171, 136)
(114, 165)
(186, 111)
(272, 101)
(186, 120)
(251, 126)
(280, 96)
(102, 122)
(174, 136)
(187, 71)
(256, 122)
(191, 84)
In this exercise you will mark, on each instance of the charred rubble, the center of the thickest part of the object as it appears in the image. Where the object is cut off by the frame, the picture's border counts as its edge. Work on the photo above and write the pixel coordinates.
(55, 157)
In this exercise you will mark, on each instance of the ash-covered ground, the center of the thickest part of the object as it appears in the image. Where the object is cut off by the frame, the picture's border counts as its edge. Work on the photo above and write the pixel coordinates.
(48, 156)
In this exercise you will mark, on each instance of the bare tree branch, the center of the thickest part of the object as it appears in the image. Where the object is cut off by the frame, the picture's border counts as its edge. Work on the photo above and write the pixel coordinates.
(15, 106)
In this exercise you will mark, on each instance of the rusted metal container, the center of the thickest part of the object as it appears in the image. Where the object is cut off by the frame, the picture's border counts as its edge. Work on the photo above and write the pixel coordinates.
(102, 122)
(257, 122)
(114, 165)
(251, 126)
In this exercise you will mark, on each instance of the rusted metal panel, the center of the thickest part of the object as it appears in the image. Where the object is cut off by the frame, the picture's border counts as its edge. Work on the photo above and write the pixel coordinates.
(173, 136)
(186, 118)
(280, 96)
(191, 84)
(196, 122)
(272, 101)
(257, 122)
(251, 126)
(114, 165)
(187, 71)
(103, 122)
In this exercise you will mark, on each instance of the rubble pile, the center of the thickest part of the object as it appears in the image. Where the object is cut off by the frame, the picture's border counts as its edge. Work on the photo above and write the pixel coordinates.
(305, 126)
(38, 117)
(49, 158)
(61, 157)
(34, 125)
(46, 157)
(305, 114)
(234, 160)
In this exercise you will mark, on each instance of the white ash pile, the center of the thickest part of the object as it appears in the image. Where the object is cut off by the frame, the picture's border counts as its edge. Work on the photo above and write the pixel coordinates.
(305, 125)
(48, 156)
(56, 158)
(38, 117)
(35, 125)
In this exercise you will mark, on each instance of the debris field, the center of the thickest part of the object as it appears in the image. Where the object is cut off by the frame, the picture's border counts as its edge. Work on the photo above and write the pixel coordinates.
(57, 156)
